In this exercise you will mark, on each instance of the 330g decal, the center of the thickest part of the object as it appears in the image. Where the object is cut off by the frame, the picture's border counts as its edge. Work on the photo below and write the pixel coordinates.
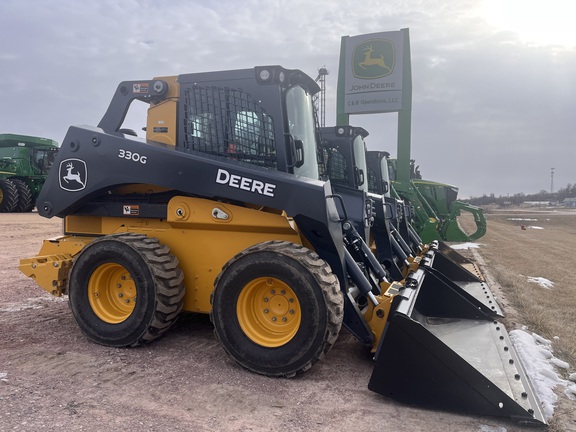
(132, 156)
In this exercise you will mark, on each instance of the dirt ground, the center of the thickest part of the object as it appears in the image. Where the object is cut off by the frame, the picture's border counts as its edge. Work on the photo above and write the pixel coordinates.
(53, 378)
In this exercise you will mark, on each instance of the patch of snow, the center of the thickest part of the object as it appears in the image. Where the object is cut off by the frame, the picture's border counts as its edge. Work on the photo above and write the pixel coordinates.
(465, 246)
(541, 340)
(534, 227)
(3, 375)
(544, 283)
(545, 352)
(486, 428)
(559, 363)
(572, 377)
(523, 219)
(571, 392)
(536, 355)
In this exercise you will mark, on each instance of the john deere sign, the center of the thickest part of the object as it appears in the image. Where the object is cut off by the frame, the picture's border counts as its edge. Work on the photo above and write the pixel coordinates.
(372, 70)
(373, 59)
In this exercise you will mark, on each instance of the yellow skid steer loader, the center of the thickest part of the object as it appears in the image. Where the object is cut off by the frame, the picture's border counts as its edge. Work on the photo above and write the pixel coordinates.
(221, 211)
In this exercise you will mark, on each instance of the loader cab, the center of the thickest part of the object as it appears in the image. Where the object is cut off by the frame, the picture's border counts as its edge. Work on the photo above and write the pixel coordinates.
(378, 173)
(247, 122)
(343, 150)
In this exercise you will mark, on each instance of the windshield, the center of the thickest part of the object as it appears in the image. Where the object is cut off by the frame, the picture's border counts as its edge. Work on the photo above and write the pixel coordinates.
(44, 158)
(360, 160)
(385, 175)
(301, 124)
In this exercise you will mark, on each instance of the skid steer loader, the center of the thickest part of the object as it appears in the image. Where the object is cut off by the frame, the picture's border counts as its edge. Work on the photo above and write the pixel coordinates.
(221, 211)
(380, 184)
(345, 153)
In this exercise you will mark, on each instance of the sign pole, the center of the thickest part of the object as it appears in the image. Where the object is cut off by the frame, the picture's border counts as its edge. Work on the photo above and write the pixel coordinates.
(342, 118)
(405, 115)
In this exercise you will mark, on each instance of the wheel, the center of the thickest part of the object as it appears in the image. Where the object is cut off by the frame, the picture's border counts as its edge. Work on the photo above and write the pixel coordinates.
(8, 196)
(125, 289)
(277, 308)
(25, 202)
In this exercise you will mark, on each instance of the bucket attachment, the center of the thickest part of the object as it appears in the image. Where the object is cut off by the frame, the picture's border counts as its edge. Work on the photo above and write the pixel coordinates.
(451, 253)
(451, 230)
(444, 267)
(449, 355)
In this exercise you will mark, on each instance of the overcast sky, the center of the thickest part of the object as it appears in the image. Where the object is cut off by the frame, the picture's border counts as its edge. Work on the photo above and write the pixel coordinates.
(494, 81)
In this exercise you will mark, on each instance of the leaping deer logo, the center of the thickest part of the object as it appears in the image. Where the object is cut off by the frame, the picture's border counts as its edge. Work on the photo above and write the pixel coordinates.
(369, 61)
(373, 59)
(73, 175)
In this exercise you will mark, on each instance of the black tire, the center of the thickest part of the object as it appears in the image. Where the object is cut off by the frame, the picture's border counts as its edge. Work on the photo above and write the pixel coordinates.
(295, 282)
(125, 289)
(25, 202)
(8, 196)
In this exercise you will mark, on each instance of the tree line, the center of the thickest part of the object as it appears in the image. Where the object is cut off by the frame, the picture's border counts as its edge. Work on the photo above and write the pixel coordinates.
(568, 192)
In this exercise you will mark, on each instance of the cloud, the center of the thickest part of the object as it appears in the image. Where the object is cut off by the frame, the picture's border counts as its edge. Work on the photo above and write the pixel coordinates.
(491, 112)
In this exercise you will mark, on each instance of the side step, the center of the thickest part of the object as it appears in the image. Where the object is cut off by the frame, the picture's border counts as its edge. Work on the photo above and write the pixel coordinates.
(435, 358)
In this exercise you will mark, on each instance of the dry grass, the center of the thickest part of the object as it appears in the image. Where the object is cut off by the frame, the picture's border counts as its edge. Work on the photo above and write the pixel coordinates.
(512, 255)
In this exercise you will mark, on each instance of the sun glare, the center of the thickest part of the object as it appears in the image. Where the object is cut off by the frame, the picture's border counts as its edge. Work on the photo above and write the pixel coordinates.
(539, 22)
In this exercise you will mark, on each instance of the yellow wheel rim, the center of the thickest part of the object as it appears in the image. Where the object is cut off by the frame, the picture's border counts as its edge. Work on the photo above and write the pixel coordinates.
(268, 312)
(112, 293)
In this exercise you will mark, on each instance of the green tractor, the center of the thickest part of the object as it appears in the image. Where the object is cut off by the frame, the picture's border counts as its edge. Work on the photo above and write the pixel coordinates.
(443, 199)
(436, 208)
(24, 165)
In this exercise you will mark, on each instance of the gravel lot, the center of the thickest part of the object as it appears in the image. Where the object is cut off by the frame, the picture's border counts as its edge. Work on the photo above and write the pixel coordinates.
(53, 378)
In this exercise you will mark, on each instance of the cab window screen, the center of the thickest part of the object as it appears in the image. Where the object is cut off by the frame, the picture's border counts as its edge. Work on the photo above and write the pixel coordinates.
(227, 122)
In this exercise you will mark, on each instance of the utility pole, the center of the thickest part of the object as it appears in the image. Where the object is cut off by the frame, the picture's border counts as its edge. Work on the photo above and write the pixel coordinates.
(322, 72)
(552, 181)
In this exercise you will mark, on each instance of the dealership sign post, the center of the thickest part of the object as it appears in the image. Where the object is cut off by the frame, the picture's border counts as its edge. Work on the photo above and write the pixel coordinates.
(375, 77)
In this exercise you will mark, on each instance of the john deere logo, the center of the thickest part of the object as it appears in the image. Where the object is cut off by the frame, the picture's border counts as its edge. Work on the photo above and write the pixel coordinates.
(73, 174)
(373, 59)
